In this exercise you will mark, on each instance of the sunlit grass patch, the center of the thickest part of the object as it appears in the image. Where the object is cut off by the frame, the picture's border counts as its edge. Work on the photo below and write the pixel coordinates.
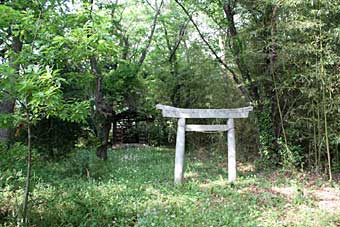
(135, 188)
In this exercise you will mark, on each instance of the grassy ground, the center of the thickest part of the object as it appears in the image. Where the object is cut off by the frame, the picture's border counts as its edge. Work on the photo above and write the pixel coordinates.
(135, 188)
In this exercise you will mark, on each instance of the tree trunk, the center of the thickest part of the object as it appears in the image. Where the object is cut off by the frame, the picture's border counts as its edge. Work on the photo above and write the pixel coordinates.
(6, 107)
(176, 92)
(114, 131)
(103, 113)
(8, 103)
(103, 128)
(28, 175)
(277, 118)
(253, 90)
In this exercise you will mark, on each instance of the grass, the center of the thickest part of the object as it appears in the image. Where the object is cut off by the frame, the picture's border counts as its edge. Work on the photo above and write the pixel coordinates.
(135, 188)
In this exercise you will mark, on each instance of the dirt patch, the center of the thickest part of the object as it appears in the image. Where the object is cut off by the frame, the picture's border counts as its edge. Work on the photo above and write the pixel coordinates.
(129, 145)
(287, 193)
(327, 198)
(243, 167)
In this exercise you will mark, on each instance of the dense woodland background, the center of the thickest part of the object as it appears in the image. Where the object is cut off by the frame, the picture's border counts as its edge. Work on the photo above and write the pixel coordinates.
(88, 74)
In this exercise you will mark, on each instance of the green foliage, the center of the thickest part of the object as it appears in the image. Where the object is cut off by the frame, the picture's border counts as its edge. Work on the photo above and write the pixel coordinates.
(54, 138)
(291, 157)
(8, 15)
(8, 120)
(289, 49)
(79, 163)
(266, 137)
(283, 56)
(14, 158)
(38, 92)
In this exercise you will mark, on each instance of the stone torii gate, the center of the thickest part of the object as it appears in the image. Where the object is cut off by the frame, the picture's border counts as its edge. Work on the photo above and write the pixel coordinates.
(182, 114)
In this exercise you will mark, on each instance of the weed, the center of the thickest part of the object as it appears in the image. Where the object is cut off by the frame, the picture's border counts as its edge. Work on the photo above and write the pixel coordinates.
(134, 187)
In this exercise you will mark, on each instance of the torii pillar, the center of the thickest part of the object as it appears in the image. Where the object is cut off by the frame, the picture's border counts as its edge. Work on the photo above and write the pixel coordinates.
(182, 114)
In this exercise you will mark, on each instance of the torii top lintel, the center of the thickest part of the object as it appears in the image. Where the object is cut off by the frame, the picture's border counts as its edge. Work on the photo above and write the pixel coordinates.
(169, 111)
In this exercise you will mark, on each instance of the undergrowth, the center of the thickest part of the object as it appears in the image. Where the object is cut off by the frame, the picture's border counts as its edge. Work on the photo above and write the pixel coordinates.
(134, 187)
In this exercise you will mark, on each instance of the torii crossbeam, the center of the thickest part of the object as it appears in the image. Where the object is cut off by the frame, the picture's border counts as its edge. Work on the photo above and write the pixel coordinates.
(182, 114)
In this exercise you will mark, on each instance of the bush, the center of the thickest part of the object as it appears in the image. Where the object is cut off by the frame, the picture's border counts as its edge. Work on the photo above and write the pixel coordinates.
(54, 137)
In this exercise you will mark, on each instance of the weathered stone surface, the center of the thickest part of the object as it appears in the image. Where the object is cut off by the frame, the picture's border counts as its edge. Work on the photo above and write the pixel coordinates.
(180, 146)
(169, 111)
(182, 114)
(206, 128)
(231, 151)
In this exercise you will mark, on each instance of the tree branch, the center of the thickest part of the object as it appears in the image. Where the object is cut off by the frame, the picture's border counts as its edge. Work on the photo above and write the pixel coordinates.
(228, 9)
(180, 37)
(153, 28)
(218, 58)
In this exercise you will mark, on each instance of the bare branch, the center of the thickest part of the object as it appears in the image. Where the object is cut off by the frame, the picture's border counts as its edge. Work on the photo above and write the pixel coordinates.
(180, 37)
(218, 58)
(150, 5)
(153, 28)
(202, 36)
